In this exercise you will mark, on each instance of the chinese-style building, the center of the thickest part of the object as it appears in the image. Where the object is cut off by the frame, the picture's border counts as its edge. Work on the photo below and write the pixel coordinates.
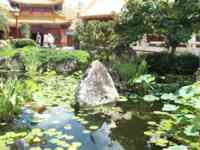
(43, 16)
(102, 9)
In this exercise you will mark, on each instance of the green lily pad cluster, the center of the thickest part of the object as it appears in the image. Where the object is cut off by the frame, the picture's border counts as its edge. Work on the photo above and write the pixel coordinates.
(10, 137)
(35, 136)
(179, 120)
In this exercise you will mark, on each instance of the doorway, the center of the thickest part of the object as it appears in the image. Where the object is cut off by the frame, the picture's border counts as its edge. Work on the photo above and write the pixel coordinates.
(34, 36)
(2, 35)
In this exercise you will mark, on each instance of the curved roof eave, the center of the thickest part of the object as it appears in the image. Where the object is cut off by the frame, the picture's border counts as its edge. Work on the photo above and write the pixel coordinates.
(38, 2)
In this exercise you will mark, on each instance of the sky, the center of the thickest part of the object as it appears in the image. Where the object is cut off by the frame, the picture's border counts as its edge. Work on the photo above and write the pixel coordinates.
(67, 2)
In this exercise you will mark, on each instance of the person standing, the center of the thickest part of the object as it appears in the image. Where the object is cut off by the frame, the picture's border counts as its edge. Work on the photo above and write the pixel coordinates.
(51, 40)
(46, 41)
(39, 39)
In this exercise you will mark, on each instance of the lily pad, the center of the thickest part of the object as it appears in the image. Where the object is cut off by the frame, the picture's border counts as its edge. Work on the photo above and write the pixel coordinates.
(169, 107)
(177, 147)
(150, 98)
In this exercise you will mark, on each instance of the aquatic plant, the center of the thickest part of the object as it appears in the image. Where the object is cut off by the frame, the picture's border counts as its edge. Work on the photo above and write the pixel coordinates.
(179, 122)
(142, 84)
(9, 100)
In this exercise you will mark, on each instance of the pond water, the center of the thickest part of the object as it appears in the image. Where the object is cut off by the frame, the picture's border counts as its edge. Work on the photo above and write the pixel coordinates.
(111, 127)
(63, 127)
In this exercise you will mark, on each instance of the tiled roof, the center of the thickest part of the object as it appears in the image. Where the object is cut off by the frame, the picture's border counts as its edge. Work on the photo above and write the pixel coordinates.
(103, 8)
(43, 19)
(54, 18)
(38, 2)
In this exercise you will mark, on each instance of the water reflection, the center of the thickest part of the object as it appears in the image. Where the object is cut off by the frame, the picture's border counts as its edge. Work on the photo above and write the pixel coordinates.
(64, 122)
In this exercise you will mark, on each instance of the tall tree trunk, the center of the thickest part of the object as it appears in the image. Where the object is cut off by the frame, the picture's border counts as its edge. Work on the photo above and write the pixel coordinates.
(171, 57)
(172, 50)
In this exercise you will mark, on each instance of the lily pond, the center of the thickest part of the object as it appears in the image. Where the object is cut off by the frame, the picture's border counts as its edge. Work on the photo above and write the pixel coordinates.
(51, 120)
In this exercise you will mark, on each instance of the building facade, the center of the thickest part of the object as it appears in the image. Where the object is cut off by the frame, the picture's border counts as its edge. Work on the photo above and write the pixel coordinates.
(43, 16)
(103, 10)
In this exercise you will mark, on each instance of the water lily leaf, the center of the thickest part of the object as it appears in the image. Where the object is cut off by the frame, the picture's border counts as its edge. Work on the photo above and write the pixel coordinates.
(69, 137)
(188, 92)
(195, 103)
(152, 123)
(84, 122)
(169, 96)
(191, 131)
(77, 144)
(35, 148)
(133, 96)
(161, 142)
(123, 99)
(86, 131)
(59, 148)
(67, 127)
(93, 127)
(190, 116)
(150, 98)
(177, 147)
(148, 78)
(169, 107)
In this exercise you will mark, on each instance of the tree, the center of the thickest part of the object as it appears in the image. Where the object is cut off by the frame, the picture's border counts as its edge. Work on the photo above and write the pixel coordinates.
(25, 30)
(97, 36)
(4, 25)
(173, 20)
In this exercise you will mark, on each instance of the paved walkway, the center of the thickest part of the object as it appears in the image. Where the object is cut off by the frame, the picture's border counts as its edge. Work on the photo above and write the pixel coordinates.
(151, 49)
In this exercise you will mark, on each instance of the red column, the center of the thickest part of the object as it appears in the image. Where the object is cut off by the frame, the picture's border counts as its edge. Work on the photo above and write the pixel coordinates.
(17, 32)
(20, 9)
(30, 10)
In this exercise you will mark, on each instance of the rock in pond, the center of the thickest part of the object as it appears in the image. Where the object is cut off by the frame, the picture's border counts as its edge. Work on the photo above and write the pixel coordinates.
(96, 87)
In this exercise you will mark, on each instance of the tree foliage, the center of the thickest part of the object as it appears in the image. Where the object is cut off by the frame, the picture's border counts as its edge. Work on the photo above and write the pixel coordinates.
(97, 36)
(173, 20)
(25, 30)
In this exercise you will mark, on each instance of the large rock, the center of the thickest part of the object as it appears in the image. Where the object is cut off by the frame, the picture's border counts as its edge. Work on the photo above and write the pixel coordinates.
(96, 87)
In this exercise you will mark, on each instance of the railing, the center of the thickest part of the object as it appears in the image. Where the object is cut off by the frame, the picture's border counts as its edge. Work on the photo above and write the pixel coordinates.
(27, 13)
(193, 43)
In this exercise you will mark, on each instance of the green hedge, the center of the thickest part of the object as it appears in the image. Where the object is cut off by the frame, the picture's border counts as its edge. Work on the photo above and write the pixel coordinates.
(127, 71)
(51, 55)
(20, 43)
(7, 53)
(163, 63)
(34, 57)
(41, 56)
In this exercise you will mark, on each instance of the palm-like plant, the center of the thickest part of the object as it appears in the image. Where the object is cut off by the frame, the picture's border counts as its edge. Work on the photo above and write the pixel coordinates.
(4, 25)
(9, 100)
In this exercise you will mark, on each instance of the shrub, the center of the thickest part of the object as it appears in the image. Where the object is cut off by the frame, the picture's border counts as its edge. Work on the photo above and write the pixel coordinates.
(49, 55)
(127, 71)
(36, 58)
(7, 53)
(163, 63)
(20, 43)
(98, 37)
(9, 100)
(25, 30)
